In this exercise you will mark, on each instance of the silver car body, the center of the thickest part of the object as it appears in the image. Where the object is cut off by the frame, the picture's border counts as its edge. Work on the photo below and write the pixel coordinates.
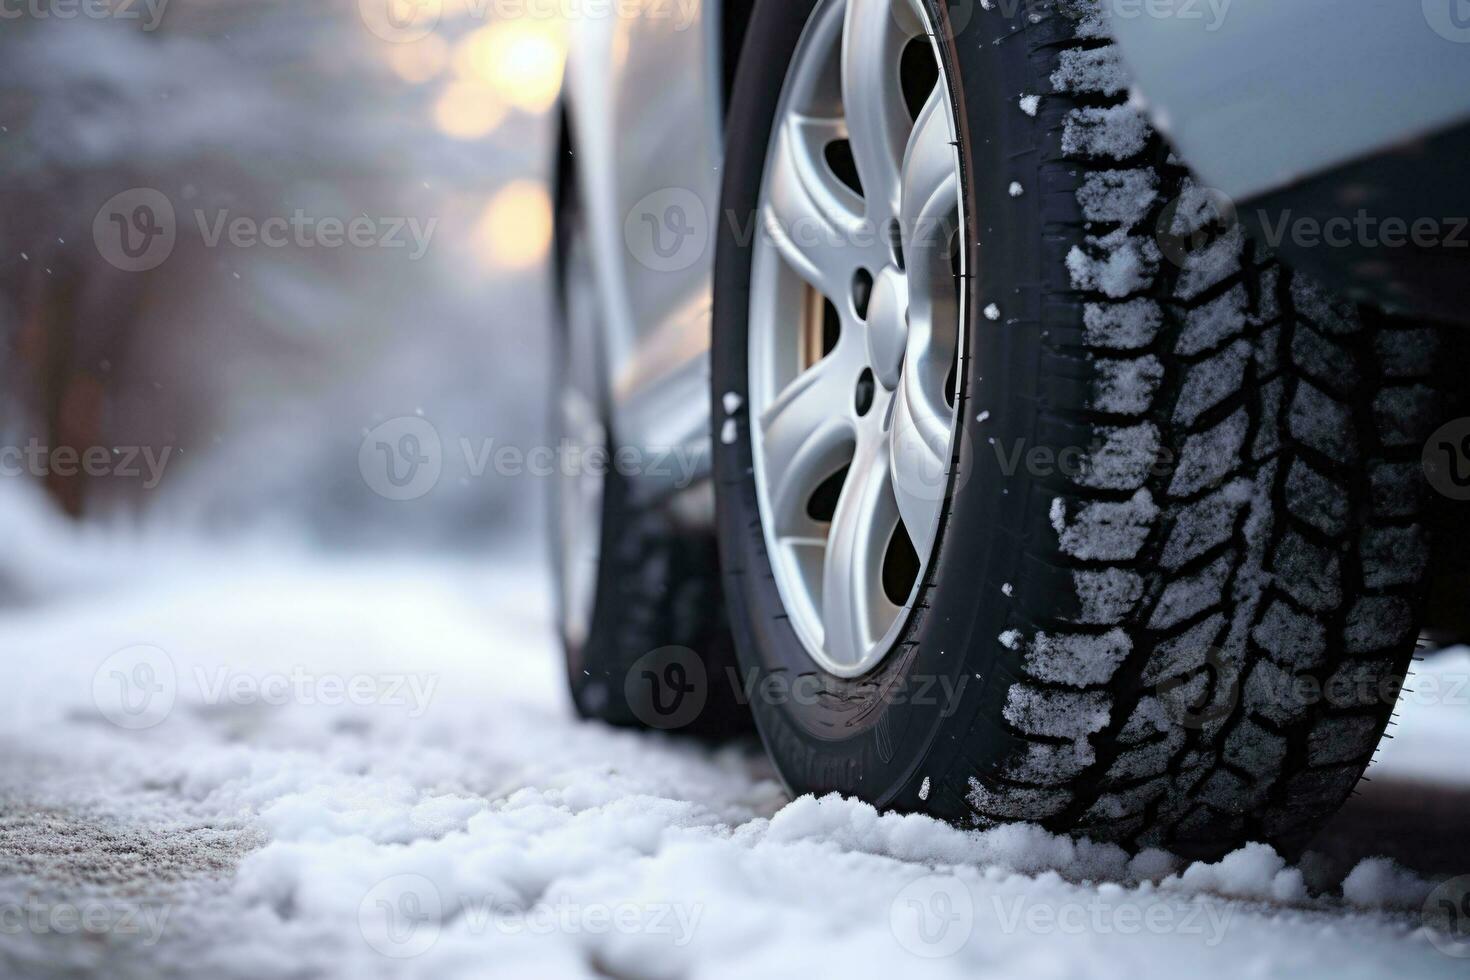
(643, 104)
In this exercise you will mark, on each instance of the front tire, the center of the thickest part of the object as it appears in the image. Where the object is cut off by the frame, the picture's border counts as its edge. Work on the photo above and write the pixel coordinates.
(1175, 624)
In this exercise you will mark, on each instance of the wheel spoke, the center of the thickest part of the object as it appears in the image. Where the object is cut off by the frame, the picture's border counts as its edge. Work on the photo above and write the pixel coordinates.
(852, 571)
(877, 119)
(919, 456)
(930, 213)
(805, 438)
(813, 219)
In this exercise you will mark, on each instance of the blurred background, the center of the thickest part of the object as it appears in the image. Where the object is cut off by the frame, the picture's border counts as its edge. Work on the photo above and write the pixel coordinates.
(240, 238)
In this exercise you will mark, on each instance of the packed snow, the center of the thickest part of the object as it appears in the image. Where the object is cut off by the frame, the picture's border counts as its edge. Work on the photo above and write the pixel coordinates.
(368, 767)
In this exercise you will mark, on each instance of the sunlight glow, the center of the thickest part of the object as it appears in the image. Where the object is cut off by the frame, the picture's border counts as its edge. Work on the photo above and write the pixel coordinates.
(515, 230)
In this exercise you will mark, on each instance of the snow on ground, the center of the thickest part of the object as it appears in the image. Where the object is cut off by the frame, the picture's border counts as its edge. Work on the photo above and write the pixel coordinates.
(255, 762)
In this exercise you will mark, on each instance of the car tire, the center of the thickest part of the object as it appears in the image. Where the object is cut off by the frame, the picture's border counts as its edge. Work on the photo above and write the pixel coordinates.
(638, 602)
(1193, 637)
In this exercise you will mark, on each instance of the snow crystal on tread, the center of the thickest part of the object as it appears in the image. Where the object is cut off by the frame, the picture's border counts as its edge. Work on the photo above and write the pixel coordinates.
(1315, 499)
(1209, 383)
(1213, 323)
(1268, 351)
(1194, 210)
(1106, 596)
(1107, 531)
(1117, 131)
(1270, 284)
(1292, 639)
(1274, 693)
(1077, 659)
(1122, 326)
(1323, 423)
(1314, 303)
(1147, 759)
(1211, 266)
(1375, 622)
(1051, 764)
(1362, 684)
(1124, 458)
(1125, 264)
(1186, 597)
(1254, 749)
(1202, 526)
(1323, 360)
(1393, 556)
(1059, 714)
(1309, 574)
(1090, 70)
(1126, 387)
(1149, 719)
(1335, 740)
(1185, 653)
(1397, 489)
(1122, 196)
(1016, 802)
(1268, 431)
(1406, 353)
(1404, 416)
(1209, 456)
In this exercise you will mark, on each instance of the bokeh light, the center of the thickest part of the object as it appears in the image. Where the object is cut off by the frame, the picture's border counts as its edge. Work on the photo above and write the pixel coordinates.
(521, 60)
(468, 110)
(514, 232)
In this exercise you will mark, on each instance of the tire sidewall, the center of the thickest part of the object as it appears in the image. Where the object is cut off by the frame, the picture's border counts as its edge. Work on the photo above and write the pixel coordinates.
(879, 737)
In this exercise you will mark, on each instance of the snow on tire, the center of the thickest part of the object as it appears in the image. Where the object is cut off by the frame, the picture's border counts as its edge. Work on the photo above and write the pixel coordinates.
(1185, 641)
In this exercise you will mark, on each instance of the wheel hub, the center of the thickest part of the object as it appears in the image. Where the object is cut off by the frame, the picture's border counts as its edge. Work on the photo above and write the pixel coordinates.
(888, 327)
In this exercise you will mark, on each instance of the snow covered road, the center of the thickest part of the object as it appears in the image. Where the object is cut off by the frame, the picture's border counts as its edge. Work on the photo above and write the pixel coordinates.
(254, 763)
